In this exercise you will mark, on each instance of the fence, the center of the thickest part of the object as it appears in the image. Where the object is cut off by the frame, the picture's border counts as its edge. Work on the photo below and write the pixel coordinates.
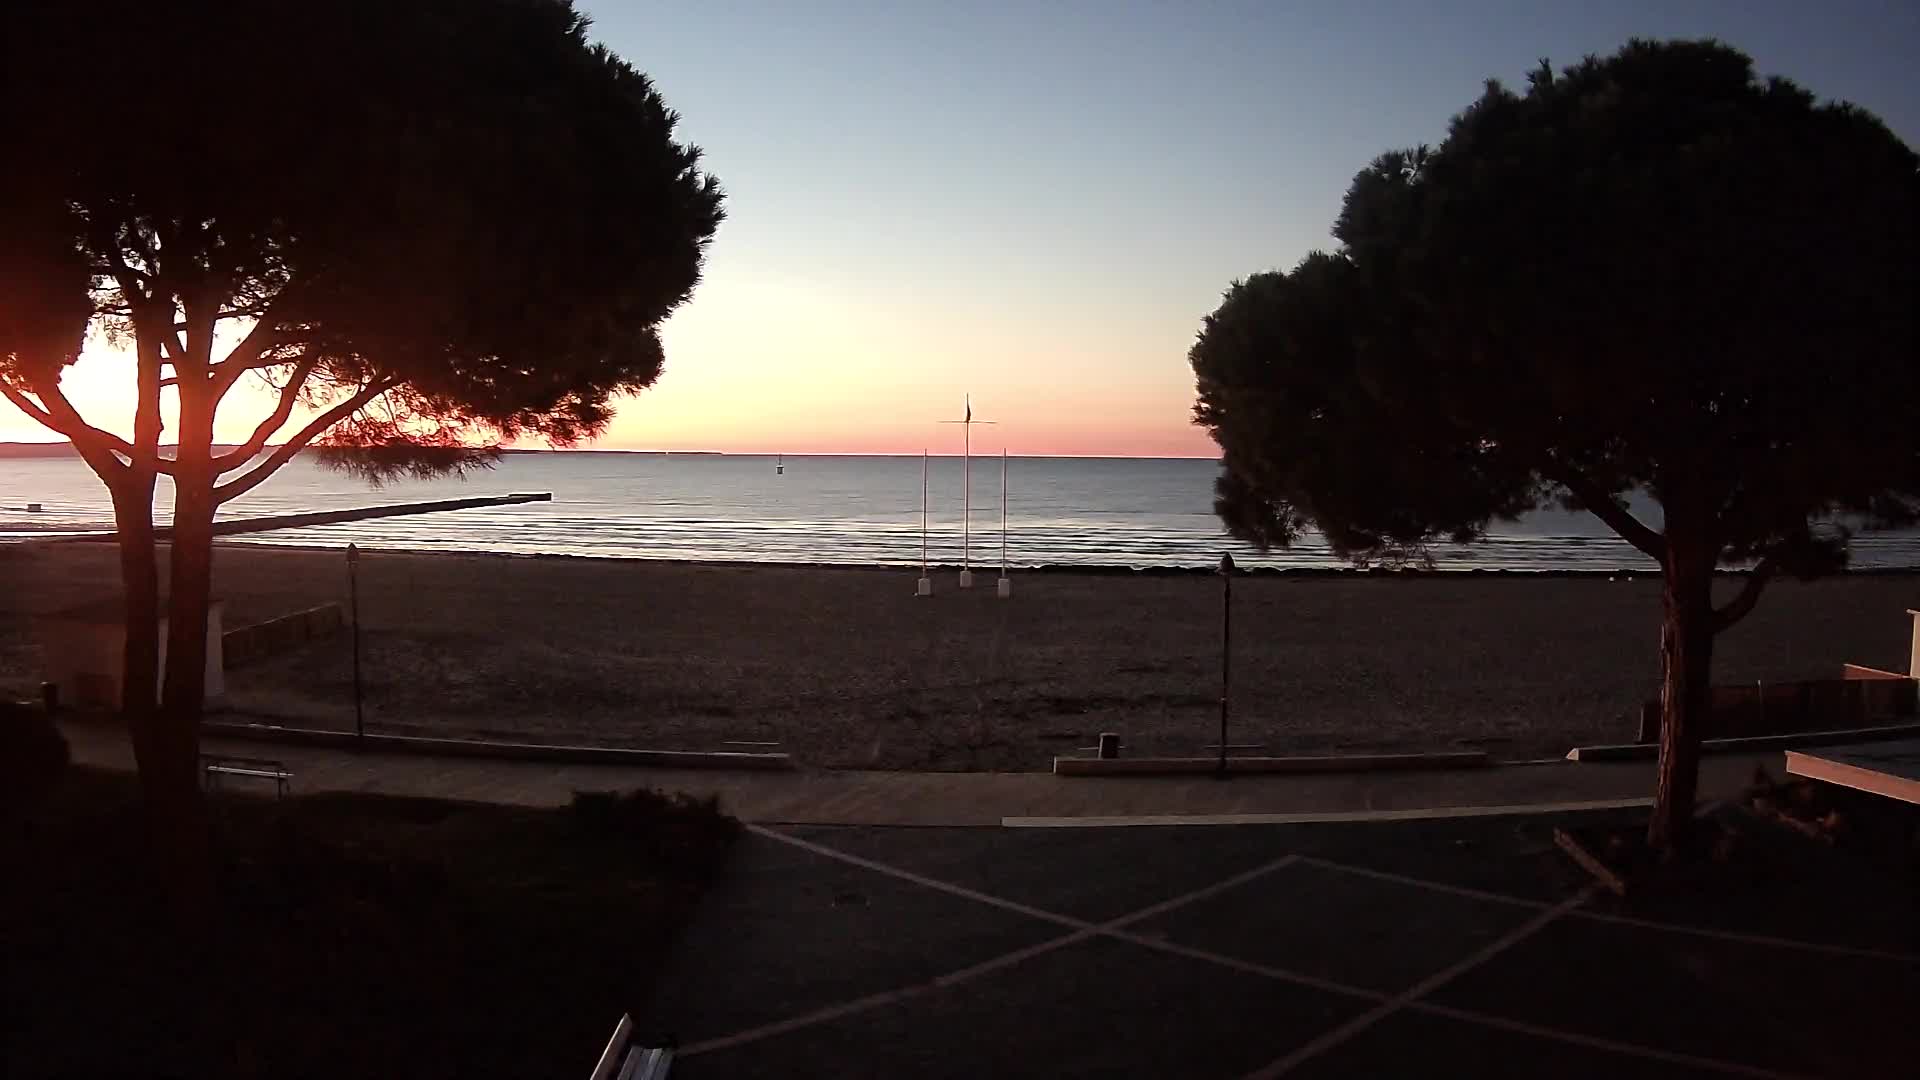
(1861, 697)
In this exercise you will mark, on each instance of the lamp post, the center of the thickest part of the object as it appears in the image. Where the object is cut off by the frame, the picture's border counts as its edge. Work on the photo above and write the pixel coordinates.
(353, 598)
(1226, 654)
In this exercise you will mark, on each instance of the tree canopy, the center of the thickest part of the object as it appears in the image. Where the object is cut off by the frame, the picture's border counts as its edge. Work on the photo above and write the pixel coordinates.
(428, 225)
(462, 209)
(1654, 271)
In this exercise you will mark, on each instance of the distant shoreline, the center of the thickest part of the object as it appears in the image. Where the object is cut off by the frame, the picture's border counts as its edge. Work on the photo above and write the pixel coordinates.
(41, 450)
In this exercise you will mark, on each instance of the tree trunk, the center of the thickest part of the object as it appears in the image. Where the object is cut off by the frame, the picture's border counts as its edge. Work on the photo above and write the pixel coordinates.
(167, 756)
(1686, 660)
(140, 655)
(189, 587)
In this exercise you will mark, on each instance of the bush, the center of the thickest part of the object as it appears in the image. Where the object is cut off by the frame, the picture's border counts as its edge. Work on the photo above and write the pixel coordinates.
(33, 754)
(350, 934)
(674, 830)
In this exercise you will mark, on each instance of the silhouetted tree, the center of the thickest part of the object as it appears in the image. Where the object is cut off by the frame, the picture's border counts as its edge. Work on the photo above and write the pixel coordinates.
(1650, 272)
(428, 225)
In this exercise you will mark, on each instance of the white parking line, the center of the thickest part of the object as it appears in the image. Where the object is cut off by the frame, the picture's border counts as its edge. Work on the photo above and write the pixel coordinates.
(917, 879)
(1622, 920)
(887, 997)
(1433, 982)
(1083, 930)
(1597, 1043)
(1386, 1004)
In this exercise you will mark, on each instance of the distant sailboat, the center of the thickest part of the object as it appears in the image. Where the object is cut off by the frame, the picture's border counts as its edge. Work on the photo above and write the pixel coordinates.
(779, 464)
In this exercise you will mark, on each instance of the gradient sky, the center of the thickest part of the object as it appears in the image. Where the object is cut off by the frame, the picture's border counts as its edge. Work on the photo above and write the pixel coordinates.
(1038, 202)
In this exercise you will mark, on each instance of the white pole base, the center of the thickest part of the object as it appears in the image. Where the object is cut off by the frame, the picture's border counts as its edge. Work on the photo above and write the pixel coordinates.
(1006, 588)
(924, 588)
(966, 579)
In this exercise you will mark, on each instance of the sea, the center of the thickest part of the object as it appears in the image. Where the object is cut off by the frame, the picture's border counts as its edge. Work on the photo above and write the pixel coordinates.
(853, 510)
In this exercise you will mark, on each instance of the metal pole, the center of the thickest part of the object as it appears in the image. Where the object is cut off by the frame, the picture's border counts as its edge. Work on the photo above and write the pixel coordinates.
(1226, 653)
(353, 594)
(966, 499)
(1003, 511)
(923, 513)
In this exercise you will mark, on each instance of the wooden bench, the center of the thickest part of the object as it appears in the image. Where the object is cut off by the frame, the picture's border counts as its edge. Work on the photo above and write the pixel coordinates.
(622, 1060)
(213, 767)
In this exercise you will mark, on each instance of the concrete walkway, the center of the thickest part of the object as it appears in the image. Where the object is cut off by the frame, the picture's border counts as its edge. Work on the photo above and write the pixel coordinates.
(921, 798)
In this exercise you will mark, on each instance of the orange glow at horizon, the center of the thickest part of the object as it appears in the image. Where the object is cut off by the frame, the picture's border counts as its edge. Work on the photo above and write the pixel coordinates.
(815, 369)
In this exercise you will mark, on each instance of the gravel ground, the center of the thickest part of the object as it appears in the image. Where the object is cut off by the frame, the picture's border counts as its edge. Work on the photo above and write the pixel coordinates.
(846, 668)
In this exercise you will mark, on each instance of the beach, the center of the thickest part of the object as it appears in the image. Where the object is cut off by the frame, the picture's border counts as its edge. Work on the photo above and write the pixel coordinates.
(846, 668)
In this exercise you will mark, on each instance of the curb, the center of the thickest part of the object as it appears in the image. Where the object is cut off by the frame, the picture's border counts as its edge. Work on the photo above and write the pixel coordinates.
(1208, 766)
(408, 744)
(1650, 751)
(1434, 813)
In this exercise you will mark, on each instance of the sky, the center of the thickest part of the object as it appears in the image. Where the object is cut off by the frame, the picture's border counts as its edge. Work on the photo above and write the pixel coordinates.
(1036, 203)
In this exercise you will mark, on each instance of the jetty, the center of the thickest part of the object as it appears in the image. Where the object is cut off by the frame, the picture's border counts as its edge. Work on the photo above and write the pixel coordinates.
(235, 526)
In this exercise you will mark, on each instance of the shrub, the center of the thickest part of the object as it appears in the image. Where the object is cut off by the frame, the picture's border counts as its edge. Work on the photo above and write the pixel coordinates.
(33, 754)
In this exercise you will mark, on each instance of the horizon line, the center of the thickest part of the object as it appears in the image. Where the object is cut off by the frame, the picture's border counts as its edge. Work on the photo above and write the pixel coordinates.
(721, 453)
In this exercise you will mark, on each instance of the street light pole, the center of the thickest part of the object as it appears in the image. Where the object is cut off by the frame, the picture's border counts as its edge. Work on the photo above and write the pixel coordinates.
(353, 597)
(1226, 654)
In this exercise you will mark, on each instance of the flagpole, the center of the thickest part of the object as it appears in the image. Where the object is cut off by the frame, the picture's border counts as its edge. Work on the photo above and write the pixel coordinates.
(966, 497)
(1006, 586)
(925, 586)
(966, 501)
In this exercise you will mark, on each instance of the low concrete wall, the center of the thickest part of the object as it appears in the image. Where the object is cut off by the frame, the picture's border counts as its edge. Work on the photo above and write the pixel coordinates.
(84, 648)
(245, 644)
(1205, 766)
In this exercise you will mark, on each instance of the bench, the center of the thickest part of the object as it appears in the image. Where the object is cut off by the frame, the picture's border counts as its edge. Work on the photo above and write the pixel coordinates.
(621, 1060)
(213, 767)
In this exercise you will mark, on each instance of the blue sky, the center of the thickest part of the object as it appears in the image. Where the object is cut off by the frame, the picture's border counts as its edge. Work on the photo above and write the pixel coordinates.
(1038, 203)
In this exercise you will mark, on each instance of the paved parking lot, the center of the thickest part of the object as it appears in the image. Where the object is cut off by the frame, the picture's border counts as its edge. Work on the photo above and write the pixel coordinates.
(1462, 947)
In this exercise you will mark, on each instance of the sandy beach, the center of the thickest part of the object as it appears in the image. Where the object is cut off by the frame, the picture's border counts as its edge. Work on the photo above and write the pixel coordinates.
(846, 668)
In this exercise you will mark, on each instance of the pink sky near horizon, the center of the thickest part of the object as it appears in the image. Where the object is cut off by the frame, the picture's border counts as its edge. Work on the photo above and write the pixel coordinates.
(715, 396)
(759, 362)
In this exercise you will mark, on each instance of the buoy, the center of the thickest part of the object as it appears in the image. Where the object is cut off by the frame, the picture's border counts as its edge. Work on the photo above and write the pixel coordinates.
(779, 465)
(33, 508)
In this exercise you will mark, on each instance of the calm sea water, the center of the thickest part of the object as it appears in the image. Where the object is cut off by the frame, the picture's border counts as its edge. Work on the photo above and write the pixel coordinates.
(862, 510)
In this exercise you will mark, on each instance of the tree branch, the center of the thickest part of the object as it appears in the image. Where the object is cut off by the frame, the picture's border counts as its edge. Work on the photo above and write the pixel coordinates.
(26, 405)
(1601, 503)
(254, 477)
(96, 447)
(245, 356)
(289, 394)
(134, 284)
(59, 416)
(1740, 606)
